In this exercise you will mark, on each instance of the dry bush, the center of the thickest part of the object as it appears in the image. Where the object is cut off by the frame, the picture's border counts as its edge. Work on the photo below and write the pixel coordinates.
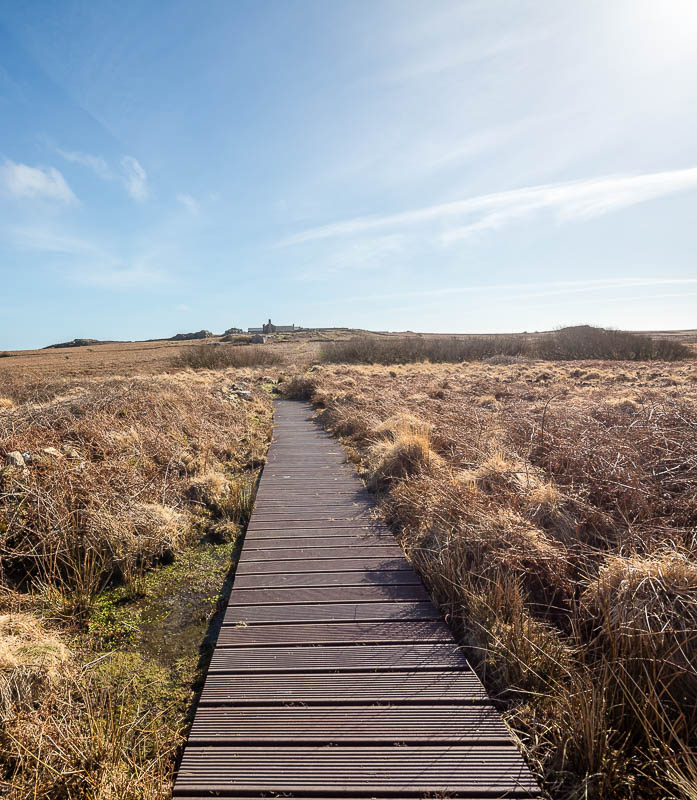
(220, 356)
(300, 387)
(69, 730)
(112, 463)
(555, 526)
(584, 342)
(122, 474)
(406, 349)
(577, 343)
(403, 448)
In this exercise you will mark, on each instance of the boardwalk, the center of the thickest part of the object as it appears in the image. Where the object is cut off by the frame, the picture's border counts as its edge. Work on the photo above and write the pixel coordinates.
(333, 674)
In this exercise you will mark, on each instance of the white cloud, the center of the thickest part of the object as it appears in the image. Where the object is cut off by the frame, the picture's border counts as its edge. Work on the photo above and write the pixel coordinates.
(135, 178)
(46, 240)
(189, 203)
(97, 164)
(104, 277)
(88, 263)
(368, 254)
(41, 183)
(528, 290)
(570, 201)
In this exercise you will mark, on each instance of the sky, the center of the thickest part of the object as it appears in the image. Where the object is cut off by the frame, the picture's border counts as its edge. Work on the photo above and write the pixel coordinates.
(470, 166)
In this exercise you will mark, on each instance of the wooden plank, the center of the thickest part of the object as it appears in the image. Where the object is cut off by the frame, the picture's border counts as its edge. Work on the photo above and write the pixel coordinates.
(403, 687)
(326, 595)
(324, 565)
(331, 658)
(384, 631)
(317, 579)
(465, 724)
(333, 675)
(328, 612)
(282, 555)
(398, 770)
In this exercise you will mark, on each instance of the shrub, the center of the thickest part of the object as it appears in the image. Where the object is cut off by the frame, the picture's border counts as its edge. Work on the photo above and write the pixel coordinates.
(217, 356)
(300, 387)
(406, 349)
(567, 344)
(556, 528)
(404, 447)
(584, 342)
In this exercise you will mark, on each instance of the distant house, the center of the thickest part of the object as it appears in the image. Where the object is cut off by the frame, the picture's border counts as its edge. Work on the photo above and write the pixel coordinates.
(269, 327)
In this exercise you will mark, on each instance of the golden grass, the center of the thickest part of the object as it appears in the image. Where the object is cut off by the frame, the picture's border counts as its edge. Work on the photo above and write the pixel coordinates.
(551, 510)
(124, 474)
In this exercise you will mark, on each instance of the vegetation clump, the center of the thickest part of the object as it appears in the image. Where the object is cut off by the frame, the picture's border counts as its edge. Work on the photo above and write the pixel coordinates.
(551, 511)
(224, 356)
(116, 528)
(567, 344)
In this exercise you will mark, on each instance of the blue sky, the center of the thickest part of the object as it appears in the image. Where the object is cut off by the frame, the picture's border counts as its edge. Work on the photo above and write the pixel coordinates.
(443, 166)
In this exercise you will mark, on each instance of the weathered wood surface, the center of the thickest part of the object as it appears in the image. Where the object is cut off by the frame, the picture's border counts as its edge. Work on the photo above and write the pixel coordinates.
(333, 674)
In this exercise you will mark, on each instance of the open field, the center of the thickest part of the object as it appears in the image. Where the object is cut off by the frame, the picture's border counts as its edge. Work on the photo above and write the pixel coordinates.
(550, 505)
(140, 358)
(552, 510)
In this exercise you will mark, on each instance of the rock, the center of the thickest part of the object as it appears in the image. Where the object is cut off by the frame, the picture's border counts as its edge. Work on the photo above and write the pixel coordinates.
(51, 451)
(28, 458)
(244, 394)
(14, 459)
(69, 451)
(78, 343)
(258, 338)
(185, 337)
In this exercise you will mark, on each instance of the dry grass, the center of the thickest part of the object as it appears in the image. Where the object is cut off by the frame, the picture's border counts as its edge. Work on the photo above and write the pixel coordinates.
(220, 356)
(552, 511)
(568, 344)
(122, 475)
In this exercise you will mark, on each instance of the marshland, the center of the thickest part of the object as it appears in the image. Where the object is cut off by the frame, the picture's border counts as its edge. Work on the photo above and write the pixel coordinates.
(549, 506)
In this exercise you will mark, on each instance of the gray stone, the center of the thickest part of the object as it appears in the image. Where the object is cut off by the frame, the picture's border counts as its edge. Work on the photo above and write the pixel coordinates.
(244, 394)
(69, 451)
(14, 459)
(51, 451)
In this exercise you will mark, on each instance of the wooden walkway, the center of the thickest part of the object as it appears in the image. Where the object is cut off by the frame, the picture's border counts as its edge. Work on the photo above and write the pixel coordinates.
(334, 675)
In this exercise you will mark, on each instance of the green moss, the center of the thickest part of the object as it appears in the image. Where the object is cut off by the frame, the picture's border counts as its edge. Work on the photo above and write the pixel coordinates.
(168, 617)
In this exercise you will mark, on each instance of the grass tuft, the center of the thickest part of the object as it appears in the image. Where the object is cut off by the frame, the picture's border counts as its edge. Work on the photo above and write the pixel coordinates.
(223, 356)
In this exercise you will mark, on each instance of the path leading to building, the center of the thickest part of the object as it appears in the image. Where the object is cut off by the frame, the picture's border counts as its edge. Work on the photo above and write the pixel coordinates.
(334, 675)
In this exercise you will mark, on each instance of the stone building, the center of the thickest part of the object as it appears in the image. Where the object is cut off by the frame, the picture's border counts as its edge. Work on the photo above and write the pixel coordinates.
(269, 327)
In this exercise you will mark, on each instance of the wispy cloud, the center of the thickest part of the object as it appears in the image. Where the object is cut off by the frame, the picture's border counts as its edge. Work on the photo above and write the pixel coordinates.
(532, 289)
(135, 178)
(189, 202)
(40, 183)
(46, 240)
(433, 61)
(367, 253)
(120, 277)
(130, 172)
(97, 164)
(569, 201)
(88, 263)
